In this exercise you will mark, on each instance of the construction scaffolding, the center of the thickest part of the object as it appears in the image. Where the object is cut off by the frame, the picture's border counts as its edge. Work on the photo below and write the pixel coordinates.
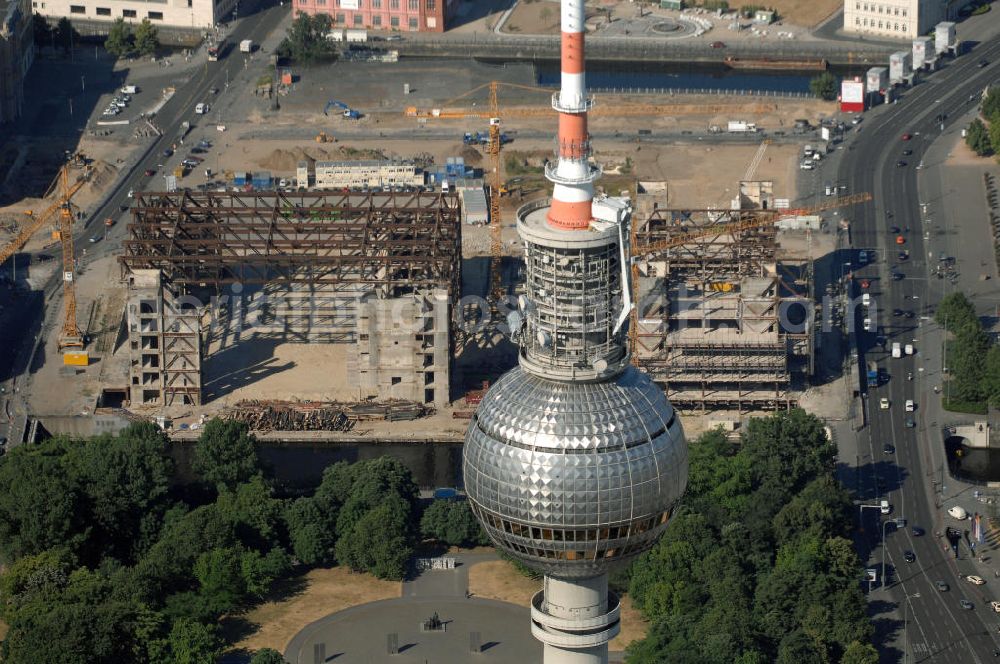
(392, 242)
(379, 271)
(711, 318)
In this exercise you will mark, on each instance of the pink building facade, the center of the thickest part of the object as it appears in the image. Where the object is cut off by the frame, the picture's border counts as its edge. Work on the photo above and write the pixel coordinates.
(388, 15)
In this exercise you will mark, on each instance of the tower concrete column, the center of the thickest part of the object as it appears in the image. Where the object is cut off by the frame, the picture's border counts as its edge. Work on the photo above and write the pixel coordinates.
(575, 619)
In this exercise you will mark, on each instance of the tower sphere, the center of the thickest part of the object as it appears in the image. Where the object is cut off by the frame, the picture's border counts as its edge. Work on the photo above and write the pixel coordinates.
(571, 478)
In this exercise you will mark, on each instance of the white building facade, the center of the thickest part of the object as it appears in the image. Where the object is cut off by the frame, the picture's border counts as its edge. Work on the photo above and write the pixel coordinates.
(367, 173)
(902, 19)
(94, 17)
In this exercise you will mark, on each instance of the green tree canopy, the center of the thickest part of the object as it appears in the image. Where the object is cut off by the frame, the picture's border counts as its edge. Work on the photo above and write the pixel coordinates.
(306, 40)
(824, 86)
(119, 41)
(267, 656)
(452, 523)
(226, 454)
(65, 35)
(310, 530)
(977, 137)
(147, 38)
(40, 505)
(991, 104)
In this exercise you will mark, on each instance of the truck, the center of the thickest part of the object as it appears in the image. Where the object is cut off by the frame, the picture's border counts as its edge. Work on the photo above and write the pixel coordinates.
(741, 127)
(873, 374)
(130, 89)
(246, 46)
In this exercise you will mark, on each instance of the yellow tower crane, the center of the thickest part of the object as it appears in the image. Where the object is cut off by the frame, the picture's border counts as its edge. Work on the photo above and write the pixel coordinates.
(759, 218)
(70, 339)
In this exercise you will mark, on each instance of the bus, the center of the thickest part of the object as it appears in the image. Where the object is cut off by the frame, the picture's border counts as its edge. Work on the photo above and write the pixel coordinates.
(214, 50)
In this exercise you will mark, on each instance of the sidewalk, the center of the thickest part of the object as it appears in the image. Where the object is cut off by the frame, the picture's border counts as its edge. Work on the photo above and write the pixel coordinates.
(955, 224)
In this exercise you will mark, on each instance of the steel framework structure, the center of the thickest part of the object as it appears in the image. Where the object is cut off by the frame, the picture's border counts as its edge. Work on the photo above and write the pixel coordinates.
(395, 243)
(708, 329)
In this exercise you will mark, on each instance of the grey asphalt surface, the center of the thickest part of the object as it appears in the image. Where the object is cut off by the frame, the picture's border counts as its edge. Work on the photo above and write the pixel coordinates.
(936, 628)
(360, 634)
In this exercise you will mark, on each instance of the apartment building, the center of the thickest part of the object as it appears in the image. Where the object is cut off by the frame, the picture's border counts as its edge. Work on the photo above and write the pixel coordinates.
(17, 52)
(394, 15)
(174, 18)
(902, 19)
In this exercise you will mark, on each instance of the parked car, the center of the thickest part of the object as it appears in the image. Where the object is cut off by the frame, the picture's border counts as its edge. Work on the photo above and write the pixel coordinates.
(150, 172)
(718, 44)
(975, 580)
(909, 556)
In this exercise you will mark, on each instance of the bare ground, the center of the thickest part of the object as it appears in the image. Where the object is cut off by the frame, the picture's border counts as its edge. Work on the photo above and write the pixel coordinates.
(498, 579)
(301, 601)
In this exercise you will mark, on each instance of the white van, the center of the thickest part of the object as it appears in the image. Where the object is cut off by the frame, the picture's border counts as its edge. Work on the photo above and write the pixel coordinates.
(866, 299)
(201, 109)
(884, 507)
(957, 512)
(897, 350)
(130, 89)
(908, 349)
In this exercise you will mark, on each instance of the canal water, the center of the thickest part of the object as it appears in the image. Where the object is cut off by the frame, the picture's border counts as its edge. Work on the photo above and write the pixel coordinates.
(605, 75)
(299, 466)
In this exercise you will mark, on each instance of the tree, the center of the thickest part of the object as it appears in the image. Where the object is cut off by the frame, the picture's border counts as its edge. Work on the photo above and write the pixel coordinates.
(991, 105)
(955, 311)
(226, 453)
(379, 542)
(306, 40)
(65, 34)
(991, 376)
(125, 481)
(453, 523)
(995, 133)
(267, 656)
(119, 41)
(147, 38)
(824, 86)
(40, 507)
(860, 653)
(310, 531)
(192, 642)
(977, 137)
(965, 363)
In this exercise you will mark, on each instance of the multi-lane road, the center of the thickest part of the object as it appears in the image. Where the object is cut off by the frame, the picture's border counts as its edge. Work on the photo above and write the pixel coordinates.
(937, 627)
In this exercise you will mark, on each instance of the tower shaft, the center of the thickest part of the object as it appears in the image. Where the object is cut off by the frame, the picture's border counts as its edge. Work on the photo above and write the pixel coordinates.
(573, 175)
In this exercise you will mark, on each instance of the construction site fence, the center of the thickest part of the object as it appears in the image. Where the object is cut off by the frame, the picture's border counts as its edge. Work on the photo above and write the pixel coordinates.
(665, 50)
(798, 94)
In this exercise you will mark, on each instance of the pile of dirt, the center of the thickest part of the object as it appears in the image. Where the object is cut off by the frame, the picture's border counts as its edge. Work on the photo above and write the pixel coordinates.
(102, 174)
(288, 160)
(471, 155)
